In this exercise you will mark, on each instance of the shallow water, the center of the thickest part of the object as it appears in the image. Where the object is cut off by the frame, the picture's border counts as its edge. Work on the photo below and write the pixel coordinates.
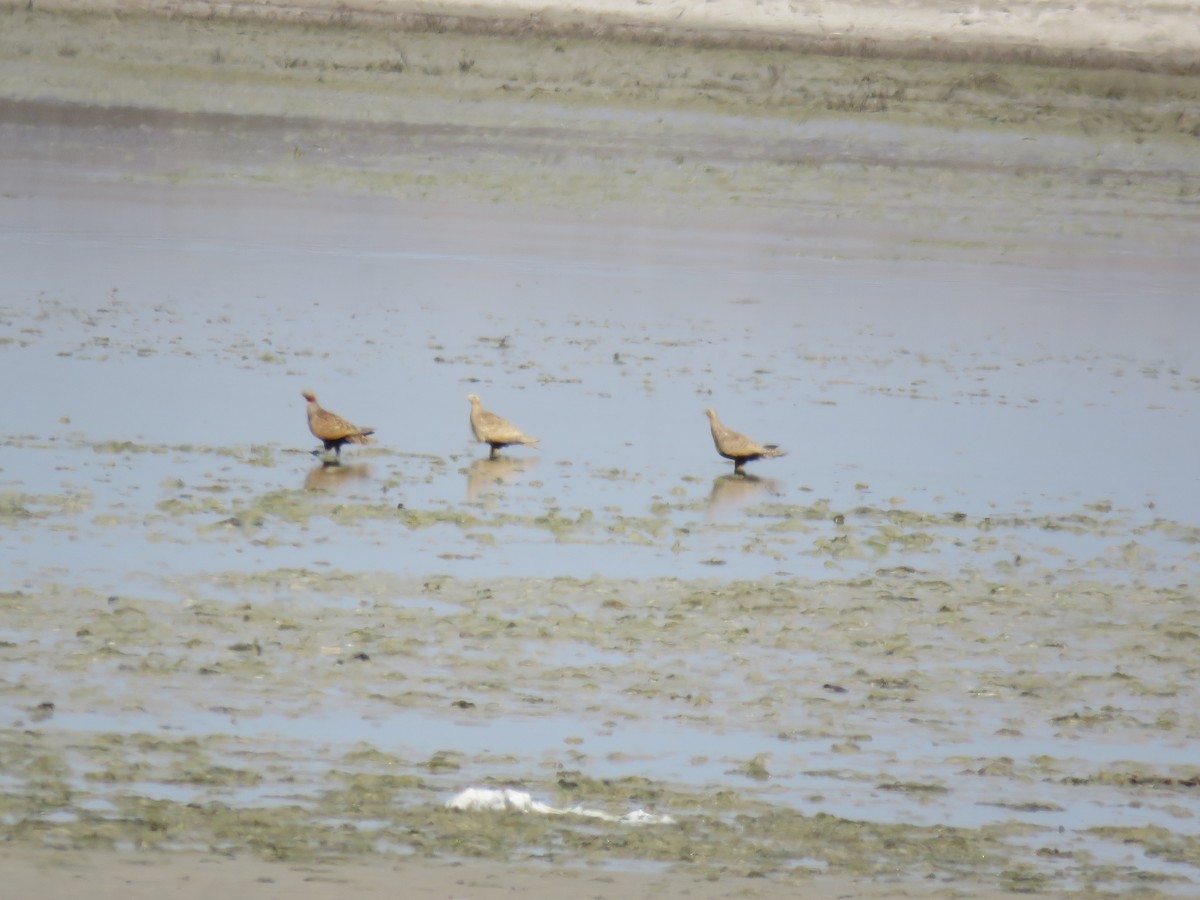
(166, 362)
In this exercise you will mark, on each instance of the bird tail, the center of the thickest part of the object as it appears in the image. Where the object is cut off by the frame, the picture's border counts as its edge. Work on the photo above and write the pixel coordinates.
(362, 437)
(773, 450)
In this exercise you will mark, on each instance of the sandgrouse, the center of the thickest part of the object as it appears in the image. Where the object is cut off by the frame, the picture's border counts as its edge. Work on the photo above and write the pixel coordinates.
(331, 429)
(736, 446)
(490, 429)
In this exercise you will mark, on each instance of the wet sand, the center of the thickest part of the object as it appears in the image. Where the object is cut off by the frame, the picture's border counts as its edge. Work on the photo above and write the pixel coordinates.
(943, 648)
(191, 877)
(1155, 33)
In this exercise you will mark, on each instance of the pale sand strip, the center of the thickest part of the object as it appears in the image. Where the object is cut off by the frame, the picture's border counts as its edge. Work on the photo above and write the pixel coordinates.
(55, 874)
(1143, 27)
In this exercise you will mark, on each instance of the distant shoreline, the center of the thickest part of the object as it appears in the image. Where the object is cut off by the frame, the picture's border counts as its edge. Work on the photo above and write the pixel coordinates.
(1133, 34)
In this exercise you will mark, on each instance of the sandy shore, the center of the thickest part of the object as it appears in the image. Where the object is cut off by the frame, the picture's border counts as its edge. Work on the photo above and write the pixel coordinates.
(186, 876)
(1163, 30)
(1139, 26)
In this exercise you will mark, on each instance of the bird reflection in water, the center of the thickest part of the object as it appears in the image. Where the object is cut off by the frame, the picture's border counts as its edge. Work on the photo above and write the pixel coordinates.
(331, 476)
(487, 475)
(730, 492)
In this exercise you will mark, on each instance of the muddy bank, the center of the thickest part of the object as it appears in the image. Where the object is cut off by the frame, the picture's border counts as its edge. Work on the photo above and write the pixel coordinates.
(1139, 35)
(190, 876)
(793, 729)
(1003, 161)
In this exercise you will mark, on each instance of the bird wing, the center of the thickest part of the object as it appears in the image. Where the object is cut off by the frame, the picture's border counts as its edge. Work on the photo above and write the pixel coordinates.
(328, 426)
(493, 428)
(734, 443)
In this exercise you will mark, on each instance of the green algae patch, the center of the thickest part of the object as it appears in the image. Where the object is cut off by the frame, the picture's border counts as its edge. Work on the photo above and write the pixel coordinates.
(915, 788)
(1155, 841)
(1183, 778)
(868, 849)
(16, 506)
(361, 812)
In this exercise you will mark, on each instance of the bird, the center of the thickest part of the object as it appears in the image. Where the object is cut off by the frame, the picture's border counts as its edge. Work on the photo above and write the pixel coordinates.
(736, 446)
(331, 429)
(490, 429)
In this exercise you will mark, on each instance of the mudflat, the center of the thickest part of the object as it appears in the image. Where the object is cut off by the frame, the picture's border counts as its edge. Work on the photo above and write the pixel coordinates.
(945, 647)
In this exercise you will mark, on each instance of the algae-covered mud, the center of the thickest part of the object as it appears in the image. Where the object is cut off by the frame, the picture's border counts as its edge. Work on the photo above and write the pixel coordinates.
(948, 641)
(972, 731)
